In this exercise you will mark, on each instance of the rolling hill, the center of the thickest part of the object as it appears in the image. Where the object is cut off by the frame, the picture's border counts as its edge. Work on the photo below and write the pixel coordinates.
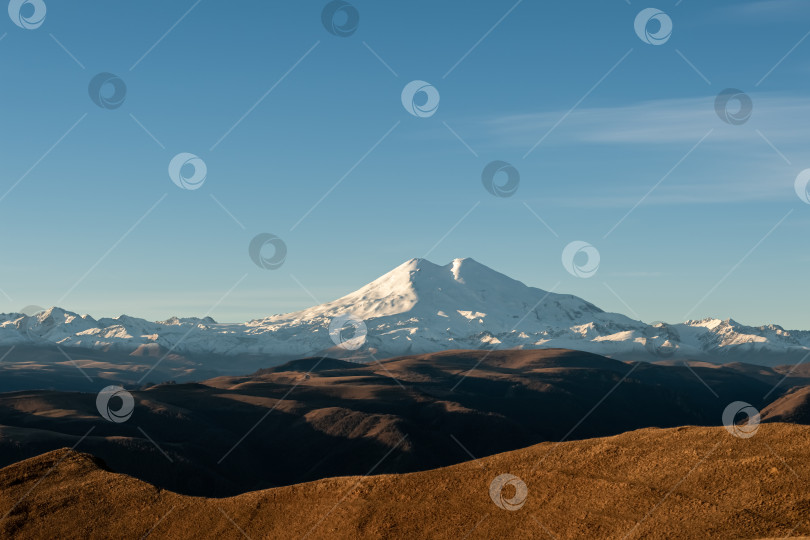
(686, 482)
(320, 417)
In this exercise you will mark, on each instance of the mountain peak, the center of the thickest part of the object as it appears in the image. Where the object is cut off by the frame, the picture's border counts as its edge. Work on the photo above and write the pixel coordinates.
(415, 264)
(425, 276)
(57, 314)
(417, 307)
(459, 267)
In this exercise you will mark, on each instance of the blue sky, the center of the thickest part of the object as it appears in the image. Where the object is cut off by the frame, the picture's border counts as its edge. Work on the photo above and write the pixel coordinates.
(93, 222)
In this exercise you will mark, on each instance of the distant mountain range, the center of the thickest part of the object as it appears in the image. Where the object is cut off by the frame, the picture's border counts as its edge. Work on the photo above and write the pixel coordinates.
(420, 307)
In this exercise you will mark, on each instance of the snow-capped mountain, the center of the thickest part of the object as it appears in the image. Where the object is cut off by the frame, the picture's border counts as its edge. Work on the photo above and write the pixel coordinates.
(421, 307)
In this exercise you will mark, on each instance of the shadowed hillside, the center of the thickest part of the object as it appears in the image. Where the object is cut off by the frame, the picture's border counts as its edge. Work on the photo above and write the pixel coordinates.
(793, 406)
(314, 418)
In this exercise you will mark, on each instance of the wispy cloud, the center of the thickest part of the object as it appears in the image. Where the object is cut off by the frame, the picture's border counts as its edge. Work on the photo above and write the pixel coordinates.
(657, 122)
(765, 11)
(758, 186)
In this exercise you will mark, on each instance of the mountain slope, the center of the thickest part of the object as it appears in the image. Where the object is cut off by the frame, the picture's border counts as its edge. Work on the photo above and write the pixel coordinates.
(313, 418)
(420, 307)
(684, 482)
(793, 406)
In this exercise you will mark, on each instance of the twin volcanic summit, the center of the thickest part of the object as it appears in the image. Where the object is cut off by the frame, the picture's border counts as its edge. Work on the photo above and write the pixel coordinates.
(418, 307)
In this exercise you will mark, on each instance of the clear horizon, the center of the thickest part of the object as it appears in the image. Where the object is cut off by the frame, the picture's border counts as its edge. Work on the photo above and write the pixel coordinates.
(303, 133)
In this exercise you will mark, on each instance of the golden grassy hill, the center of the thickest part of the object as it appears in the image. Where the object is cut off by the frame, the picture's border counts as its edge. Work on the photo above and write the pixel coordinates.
(688, 482)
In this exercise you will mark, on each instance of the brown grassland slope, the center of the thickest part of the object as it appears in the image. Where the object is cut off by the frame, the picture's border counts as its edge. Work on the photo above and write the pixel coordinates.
(686, 482)
(320, 418)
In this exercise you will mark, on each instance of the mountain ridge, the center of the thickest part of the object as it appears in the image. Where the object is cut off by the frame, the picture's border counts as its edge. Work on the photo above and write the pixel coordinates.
(421, 307)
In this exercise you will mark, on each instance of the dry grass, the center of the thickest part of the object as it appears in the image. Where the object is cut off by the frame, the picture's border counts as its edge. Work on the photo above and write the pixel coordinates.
(690, 482)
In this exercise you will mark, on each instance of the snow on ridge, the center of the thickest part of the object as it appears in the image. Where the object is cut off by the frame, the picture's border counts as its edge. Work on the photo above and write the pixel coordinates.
(417, 307)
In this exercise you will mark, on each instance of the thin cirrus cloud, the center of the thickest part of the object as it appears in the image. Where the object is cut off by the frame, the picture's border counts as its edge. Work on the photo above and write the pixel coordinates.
(733, 165)
(764, 11)
(668, 121)
(758, 186)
